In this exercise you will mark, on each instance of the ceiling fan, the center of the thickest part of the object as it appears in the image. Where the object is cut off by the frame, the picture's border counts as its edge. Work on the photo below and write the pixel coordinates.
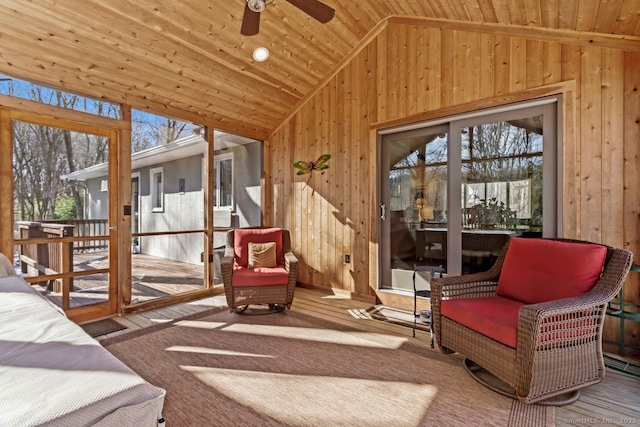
(251, 18)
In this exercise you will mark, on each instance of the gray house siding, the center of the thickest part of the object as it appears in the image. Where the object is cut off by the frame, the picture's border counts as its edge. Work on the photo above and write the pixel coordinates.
(247, 171)
(181, 211)
(185, 210)
(97, 201)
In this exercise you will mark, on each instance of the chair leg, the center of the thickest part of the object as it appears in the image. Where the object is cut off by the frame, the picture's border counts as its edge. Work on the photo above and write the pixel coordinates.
(492, 382)
(272, 308)
(240, 309)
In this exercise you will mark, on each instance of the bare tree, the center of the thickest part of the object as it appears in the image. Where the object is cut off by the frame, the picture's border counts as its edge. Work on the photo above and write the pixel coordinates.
(43, 153)
(150, 130)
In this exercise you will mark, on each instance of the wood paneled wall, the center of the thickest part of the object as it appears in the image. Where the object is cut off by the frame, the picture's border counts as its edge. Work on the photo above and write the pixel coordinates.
(410, 70)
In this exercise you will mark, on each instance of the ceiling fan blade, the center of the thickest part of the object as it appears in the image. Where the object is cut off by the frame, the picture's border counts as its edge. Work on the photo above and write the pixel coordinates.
(316, 9)
(250, 22)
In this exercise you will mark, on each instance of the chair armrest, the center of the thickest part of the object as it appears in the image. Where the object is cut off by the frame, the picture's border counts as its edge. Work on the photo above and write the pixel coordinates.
(468, 286)
(560, 323)
(226, 266)
(227, 259)
(475, 285)
(570, 321)
(290, 261)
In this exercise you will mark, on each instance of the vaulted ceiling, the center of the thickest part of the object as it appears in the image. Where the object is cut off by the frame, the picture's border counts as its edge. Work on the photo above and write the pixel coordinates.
(186, 58)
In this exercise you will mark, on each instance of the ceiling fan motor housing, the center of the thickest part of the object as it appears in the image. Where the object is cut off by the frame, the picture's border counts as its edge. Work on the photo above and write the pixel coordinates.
(253, 8)
(257, 5)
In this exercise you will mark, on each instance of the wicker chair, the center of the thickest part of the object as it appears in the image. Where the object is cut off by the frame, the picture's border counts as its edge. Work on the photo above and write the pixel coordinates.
(556, 346)
(245, 286)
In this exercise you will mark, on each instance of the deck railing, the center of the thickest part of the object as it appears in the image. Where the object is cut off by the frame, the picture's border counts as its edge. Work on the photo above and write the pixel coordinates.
(37, 259)
(86, 227)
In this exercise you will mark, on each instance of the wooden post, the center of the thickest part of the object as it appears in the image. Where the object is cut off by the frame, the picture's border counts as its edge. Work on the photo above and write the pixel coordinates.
(6, 184)
(208, 206)
(66, 261)
(66, 265)
(123, 169)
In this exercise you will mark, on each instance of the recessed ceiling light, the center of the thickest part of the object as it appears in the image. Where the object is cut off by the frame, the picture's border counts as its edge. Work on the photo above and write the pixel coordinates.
(261, 54)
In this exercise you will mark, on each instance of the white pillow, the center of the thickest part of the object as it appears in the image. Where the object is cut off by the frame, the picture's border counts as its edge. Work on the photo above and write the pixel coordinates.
(6, 267)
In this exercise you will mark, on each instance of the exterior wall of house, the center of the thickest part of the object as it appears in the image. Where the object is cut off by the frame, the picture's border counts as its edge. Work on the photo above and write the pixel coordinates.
(181, 211)
(247, 171)
(247, 175)
(185, 210)
(97, 201)
(411, 71)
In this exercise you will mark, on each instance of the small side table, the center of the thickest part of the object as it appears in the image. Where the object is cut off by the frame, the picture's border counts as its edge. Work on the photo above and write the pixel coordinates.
(432, 269)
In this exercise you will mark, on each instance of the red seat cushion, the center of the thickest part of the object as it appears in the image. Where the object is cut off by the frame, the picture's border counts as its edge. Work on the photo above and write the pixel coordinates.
(242, 237)
(261, 276)
(495, 317)
(540, 270)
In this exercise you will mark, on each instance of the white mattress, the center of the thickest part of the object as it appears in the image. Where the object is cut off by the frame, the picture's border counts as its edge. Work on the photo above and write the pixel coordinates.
(53, 373)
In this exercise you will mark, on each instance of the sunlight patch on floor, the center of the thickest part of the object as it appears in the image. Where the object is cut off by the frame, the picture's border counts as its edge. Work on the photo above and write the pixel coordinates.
(160, 320)
(322, 401)
(214, 301)
(355, 338)
(216, 351)
(338, 294)
(198, 324)
(359, 313)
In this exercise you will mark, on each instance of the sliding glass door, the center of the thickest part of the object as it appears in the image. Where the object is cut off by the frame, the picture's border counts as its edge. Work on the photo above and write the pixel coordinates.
(453, 193)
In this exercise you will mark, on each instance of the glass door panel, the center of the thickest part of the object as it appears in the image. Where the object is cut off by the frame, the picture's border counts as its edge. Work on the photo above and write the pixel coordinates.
(414, 201)
(501, 184)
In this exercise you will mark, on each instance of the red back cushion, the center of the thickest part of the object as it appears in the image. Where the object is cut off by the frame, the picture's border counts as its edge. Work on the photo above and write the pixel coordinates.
(539, 270)
(242, 237)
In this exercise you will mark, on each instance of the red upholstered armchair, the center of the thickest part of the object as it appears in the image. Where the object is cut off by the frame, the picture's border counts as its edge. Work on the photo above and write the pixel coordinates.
(258, 267)
(534, 321)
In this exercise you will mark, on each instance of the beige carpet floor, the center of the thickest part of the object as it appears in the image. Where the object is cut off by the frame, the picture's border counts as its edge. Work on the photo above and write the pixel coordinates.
(289, 369)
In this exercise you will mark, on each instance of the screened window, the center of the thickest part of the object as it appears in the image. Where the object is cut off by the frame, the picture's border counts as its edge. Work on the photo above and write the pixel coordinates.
(12, 86)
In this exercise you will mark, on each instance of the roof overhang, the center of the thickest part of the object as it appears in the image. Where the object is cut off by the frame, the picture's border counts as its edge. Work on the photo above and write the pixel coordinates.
(185, 147)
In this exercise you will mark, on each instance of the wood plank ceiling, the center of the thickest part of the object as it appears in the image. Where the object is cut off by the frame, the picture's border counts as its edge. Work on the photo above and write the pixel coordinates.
(187, 58)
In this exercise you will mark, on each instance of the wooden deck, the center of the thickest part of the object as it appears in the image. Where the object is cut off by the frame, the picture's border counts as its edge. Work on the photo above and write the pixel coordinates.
(613, 402)
(152, 277)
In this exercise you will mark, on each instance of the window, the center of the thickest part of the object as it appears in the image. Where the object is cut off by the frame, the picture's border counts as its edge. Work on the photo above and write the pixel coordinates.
(223, 182)
(157, 190)
(39, 93)
(513, 195)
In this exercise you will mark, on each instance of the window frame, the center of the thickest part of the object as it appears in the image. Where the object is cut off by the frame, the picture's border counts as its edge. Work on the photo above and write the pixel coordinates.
(549, 106)
(157, 201)
(217, 160)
